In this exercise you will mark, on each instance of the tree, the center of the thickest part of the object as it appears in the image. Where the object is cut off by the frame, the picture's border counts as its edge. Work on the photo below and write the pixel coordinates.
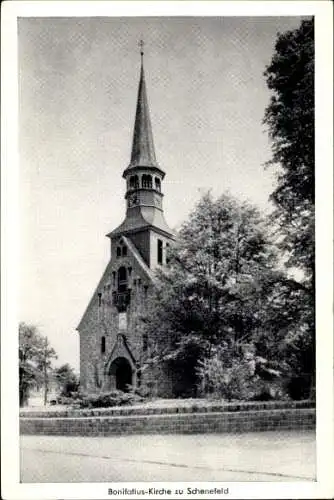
(67, 379)
(290, 118)
(222, 270)
(35, 355)
(47, 353)
(29, 345)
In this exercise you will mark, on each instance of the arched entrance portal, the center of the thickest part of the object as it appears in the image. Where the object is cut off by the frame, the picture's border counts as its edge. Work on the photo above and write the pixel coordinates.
(121, 370)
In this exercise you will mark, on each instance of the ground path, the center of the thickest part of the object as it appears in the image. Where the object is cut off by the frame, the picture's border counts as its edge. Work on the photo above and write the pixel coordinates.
(262, 456)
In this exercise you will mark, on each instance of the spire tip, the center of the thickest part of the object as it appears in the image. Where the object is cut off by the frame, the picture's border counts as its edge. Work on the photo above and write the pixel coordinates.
(141, 45)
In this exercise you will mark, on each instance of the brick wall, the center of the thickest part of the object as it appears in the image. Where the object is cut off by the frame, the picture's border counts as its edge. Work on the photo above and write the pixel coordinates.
(172, 423)
(101, 319)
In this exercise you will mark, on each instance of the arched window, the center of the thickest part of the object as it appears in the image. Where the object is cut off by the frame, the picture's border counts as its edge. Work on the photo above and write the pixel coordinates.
(146, 181)
(124, 251)
(122, 281)
(134, 182)
(119, 251)
(157, 184)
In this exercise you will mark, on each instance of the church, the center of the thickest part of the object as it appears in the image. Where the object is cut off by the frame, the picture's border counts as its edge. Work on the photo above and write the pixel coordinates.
(113, 348)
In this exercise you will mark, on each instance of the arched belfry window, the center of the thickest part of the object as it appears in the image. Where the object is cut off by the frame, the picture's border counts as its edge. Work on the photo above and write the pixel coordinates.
(122, 280)
(146, 181)
(134, 182)
(157, 184)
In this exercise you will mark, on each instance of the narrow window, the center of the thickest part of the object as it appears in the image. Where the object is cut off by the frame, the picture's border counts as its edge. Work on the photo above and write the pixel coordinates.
(118, 252)
(100, 299)
(145, 291)
(157, 184)
(167, 253)
(122, 280)
(159, 252)
(139, 377)
(145, 342)
(124, 251)
(103, 345)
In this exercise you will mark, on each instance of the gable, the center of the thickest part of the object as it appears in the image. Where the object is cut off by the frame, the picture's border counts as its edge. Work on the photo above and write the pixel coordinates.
(138, 264)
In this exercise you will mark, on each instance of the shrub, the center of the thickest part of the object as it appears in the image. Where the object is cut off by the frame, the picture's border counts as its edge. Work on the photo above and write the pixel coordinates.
(239, 377)
(108, 399)
(227, 379)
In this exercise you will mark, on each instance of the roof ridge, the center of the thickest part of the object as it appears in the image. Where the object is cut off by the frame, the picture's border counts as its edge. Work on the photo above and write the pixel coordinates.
(138, 257)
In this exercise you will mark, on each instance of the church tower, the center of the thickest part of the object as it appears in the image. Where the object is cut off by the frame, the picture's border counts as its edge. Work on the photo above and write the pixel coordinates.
(145, 222)
(112, 345)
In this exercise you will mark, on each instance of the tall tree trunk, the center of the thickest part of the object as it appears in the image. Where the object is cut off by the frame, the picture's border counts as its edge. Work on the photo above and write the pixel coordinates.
(45, 374)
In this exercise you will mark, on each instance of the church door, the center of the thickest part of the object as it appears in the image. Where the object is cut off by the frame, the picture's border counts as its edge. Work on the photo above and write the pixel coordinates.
(122, 372)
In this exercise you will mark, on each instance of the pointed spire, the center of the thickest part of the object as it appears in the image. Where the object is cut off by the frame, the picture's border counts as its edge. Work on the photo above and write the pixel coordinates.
(143, 153)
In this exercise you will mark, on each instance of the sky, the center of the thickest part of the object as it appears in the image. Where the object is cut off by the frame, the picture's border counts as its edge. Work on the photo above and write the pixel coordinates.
(78, 80)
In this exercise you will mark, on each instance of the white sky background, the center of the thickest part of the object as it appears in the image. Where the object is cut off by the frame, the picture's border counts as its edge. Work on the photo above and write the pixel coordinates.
(78, 81)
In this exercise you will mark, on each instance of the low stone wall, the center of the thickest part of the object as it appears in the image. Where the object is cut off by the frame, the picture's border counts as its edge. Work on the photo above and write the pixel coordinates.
(255, 419)
(182, 406)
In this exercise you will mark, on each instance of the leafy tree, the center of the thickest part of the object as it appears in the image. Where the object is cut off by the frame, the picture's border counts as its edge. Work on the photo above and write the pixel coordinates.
(290, 118)
(35, 355)
(29, 345)
(67, 379)
(221, 272)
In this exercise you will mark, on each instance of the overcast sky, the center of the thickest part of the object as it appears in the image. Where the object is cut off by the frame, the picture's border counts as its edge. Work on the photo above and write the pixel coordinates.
(78, 86)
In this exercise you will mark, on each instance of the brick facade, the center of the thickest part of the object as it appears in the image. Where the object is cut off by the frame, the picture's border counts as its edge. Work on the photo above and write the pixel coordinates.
(121, 330)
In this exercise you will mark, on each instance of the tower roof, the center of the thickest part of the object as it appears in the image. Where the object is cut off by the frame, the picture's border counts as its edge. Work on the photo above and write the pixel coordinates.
(143, 153)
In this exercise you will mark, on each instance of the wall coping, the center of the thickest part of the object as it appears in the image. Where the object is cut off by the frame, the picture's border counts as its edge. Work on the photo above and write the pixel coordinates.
(142, 410)
(121, 418)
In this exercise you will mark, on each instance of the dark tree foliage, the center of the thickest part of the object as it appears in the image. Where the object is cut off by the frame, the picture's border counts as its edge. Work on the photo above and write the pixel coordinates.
(290, 118)
(67, 380)
(222, 273)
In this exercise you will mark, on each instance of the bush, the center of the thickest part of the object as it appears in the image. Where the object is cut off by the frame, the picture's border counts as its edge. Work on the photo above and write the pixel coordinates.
(244, 377)
(227, 379)
(107, 399)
